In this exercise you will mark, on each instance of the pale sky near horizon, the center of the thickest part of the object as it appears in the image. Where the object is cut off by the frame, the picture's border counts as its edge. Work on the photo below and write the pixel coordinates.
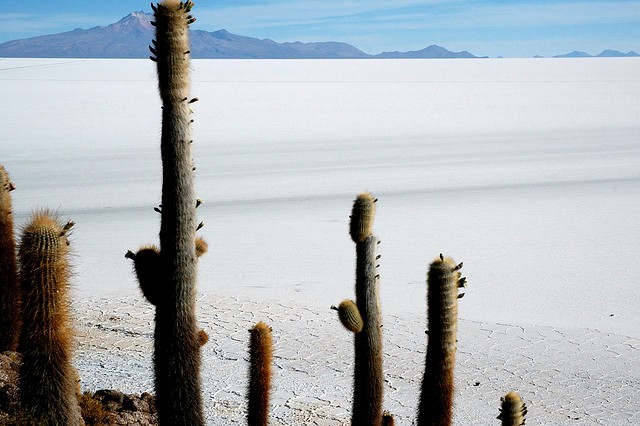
(517, 28)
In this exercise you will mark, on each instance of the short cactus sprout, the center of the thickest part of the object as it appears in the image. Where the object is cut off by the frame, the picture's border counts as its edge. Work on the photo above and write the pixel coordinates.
(513, 410)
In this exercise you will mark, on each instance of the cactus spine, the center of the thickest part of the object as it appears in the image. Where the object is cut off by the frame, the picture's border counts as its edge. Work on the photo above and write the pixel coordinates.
(513, 410)
(10, 317)
(177, 354)
(261, 358)
(363, 318)
(47, 378)
(436, 398)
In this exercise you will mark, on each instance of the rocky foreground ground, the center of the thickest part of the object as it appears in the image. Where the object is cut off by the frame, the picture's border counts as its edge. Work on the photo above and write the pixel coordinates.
(103, 407)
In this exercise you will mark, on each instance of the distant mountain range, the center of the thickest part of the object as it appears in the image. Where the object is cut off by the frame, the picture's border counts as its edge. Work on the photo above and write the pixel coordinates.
(604, 54)
(130, 37)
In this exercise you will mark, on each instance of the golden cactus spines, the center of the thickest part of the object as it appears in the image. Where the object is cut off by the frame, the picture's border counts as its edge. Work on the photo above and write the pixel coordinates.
(261, 358)
(47, 378)
(513, 410)
(436, 398)
(10, 299)
(350, 316)
(201, 246)
(203, 337)
(362, 214)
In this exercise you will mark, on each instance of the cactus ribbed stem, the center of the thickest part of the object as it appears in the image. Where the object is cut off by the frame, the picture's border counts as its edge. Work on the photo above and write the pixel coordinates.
(261, 358)
(367, 398)
(10, 316)
(513, 410)
(177, 354)
(47, 378)
(436, 399)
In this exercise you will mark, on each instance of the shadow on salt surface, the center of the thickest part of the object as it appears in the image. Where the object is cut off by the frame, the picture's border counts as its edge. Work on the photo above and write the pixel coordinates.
(566, 375)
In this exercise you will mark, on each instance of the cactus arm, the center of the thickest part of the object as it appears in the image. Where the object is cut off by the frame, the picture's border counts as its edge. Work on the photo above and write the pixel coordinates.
(47, 378)
(10, 299)
(350, 316)
(147, 264)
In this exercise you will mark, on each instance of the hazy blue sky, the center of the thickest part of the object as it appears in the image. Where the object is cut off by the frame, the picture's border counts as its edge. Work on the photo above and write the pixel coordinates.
(513, 28)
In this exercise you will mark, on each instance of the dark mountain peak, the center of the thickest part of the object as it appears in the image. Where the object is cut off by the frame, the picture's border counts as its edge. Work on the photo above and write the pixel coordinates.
(616, 54)
(574, 54)
(432, 51)
(223, 35)
(435, 47)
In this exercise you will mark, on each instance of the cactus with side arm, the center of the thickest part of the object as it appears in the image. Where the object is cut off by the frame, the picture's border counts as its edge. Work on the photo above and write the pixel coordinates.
(363, 317)
(167, 275)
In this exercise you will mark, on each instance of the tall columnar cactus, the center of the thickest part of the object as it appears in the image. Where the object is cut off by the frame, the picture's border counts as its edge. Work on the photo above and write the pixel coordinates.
(363, 318)
(261, 358)
(513, 410)
(10, 318)
(436, 399)
(47, 378)
(177, 354)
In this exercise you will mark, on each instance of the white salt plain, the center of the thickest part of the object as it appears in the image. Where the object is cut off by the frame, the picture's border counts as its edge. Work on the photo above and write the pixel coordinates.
(528, 170)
